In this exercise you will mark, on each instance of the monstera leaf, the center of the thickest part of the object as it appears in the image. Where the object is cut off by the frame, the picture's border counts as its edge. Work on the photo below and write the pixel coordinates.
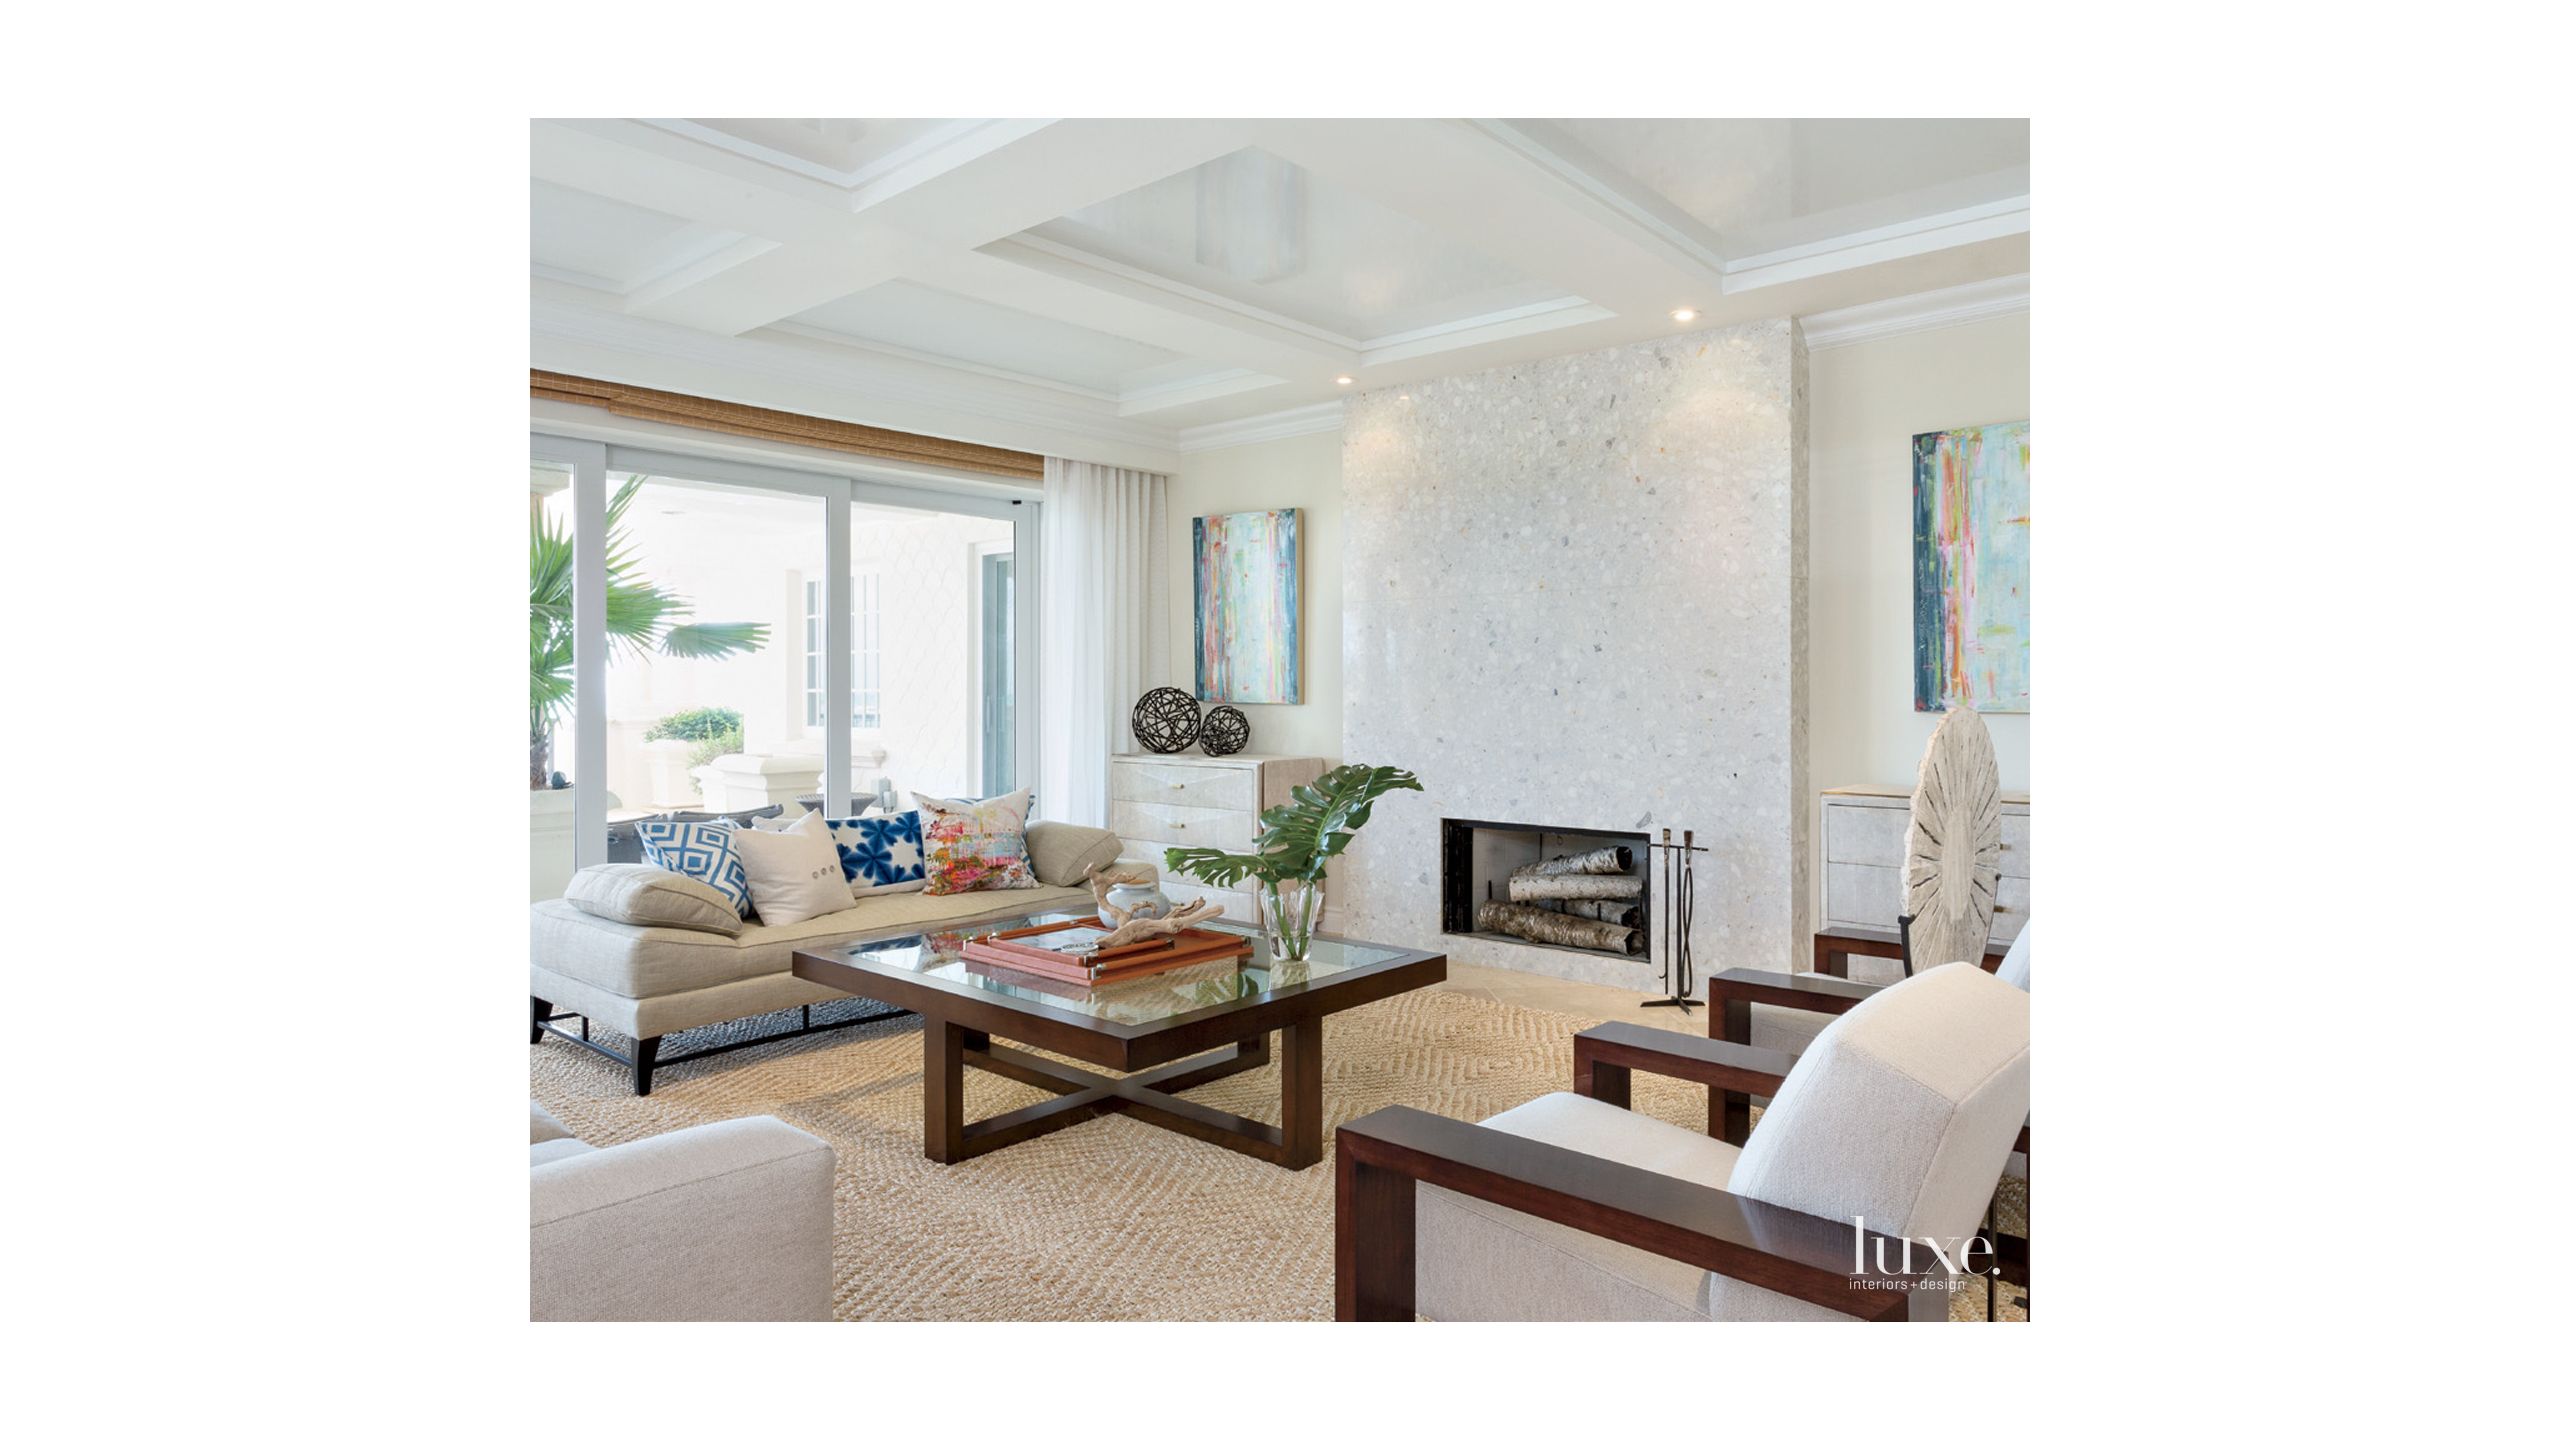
(1299, 838)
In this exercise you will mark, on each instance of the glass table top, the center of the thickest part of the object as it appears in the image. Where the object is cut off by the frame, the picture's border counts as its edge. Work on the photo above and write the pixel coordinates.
(935, 956)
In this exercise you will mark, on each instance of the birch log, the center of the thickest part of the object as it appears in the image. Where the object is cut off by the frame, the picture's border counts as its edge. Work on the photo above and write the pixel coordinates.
(1616, 912)
(1576, 887)
(1531, 923)
(1607, 860)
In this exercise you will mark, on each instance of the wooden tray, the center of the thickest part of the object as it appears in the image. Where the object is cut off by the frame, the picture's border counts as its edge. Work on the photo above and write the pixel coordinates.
(1120, 962)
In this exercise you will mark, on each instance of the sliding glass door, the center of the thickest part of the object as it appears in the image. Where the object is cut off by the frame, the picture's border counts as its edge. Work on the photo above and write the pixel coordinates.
(771, 638)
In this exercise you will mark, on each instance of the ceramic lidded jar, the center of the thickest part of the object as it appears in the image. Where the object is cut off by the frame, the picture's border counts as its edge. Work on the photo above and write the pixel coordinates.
(1134, 890)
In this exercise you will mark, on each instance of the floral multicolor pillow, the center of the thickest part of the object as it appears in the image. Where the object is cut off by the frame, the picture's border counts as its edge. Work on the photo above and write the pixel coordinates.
(882, 854)
(976, 844)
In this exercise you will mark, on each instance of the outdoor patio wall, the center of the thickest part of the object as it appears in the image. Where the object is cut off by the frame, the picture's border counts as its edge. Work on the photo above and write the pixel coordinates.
(1575, 592)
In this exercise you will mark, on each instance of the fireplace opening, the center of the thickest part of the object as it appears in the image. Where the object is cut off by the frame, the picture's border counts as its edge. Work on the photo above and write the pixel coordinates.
(1560, 887)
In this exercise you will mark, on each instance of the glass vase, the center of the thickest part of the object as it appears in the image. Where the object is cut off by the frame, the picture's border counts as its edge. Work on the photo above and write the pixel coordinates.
(1290, 916)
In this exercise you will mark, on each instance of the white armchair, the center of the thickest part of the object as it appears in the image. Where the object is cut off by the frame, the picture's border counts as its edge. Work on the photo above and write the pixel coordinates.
(1894, 1124)
(733, 1221)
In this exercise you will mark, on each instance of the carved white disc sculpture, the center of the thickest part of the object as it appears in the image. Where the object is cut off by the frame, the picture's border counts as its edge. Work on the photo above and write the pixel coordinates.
(1951, 857)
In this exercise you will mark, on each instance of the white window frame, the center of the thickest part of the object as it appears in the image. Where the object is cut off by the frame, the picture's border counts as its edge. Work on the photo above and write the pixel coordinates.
(591, 460)
(862, 644)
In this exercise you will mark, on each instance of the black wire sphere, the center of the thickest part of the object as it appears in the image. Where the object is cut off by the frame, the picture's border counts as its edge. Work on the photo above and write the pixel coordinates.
(1167, 719)
(1225, 731)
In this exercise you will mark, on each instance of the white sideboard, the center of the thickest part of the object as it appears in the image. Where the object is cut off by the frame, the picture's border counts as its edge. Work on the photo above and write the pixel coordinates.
(1162, 801)
(1862, 836)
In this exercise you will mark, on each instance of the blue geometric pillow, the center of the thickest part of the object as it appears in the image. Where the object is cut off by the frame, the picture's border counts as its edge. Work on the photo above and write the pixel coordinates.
(882, 854)
(700, 849)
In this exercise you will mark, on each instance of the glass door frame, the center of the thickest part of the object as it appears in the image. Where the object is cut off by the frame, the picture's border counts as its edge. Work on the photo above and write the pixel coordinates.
(590, 461)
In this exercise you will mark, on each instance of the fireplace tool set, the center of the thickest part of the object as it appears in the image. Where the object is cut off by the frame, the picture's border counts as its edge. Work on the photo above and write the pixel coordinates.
(1676, 901)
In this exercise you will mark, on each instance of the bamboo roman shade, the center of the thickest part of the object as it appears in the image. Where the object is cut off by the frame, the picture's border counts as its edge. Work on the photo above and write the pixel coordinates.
(669, 408)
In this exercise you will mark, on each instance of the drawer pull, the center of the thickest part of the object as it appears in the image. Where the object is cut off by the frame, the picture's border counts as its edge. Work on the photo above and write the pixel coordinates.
(1177, 784)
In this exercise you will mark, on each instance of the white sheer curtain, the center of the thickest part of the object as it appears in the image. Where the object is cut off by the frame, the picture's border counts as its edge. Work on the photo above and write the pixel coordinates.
(1105, 609)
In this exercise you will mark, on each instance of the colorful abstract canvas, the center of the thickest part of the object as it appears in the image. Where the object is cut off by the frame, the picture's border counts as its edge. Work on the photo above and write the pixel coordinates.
(1969, 568)
(1244, 625)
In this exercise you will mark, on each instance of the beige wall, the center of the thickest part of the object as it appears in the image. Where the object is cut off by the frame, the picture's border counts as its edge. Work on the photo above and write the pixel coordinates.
(1869, 399)
(1304, 471)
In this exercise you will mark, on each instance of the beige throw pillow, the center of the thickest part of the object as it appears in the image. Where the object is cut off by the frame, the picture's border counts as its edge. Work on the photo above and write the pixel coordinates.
(793, 875)
(647, 895)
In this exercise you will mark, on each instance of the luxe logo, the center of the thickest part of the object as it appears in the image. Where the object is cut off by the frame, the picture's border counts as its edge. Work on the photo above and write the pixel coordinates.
(1957, 1261)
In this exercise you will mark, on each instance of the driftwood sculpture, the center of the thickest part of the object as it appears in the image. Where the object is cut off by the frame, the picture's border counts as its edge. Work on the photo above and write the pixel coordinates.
(1549, 928)
(1129, 931)
(1951, 855)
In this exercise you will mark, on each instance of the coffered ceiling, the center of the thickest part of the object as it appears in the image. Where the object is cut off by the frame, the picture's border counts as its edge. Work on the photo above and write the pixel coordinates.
(1121, 290)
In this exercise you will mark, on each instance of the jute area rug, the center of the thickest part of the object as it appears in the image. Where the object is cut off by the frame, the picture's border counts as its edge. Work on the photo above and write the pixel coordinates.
(1111, 1219)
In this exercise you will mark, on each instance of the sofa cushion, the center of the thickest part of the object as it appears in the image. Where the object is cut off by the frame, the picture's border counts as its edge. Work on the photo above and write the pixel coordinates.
(1064, 854)
(881, 854)
(635, 962)
(704, 850)
(793, 874)
(976, 844)
(648, 896)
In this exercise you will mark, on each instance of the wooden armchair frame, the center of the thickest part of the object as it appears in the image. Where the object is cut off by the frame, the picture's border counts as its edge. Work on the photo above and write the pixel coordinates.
(1379, 1158)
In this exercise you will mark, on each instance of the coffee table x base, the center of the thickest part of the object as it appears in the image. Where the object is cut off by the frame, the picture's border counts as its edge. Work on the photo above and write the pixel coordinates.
(950, 1051)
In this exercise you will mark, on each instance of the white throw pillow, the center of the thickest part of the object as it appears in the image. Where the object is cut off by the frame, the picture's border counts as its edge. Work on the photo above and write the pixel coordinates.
(793, 875)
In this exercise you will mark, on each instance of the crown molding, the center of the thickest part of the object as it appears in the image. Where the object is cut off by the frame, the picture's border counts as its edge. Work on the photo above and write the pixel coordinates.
(1911, 314)
(1254, 429)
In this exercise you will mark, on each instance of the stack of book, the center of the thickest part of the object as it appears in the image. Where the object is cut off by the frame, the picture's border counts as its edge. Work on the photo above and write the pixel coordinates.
(1065, 951)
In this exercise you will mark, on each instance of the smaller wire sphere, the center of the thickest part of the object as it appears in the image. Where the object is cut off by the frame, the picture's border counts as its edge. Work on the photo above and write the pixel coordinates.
(1167, 719)
(1225, 731)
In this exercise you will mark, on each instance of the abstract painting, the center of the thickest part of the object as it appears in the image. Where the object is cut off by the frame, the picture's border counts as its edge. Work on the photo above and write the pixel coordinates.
(1969, 568)
(1244, 617)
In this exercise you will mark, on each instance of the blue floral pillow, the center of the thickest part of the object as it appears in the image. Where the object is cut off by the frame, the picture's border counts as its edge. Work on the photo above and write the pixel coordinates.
(700, 849)
(882, 854)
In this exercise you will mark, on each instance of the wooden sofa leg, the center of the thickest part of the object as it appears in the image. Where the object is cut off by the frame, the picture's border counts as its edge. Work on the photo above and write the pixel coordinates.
(644, 1058)
(541, 1012)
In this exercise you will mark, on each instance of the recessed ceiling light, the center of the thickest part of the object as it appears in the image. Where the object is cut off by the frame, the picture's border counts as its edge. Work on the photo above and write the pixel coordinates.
(1341, 379)
(1684, 314)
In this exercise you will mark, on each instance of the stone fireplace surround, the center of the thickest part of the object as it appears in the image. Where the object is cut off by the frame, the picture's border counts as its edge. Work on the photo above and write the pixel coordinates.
(1574, 592)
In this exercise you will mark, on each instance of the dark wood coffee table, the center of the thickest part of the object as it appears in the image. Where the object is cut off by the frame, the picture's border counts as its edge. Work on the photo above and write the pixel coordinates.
(1169, 1032)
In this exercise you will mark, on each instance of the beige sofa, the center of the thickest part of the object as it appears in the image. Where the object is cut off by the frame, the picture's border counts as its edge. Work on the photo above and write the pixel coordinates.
(649, 982)
(734, 1221)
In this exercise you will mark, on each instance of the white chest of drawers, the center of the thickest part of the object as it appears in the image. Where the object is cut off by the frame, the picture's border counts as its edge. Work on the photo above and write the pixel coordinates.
(1862, 835)
(1162, 801)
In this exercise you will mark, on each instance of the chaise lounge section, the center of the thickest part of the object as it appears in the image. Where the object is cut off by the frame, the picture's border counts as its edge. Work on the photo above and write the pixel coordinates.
(649, 981)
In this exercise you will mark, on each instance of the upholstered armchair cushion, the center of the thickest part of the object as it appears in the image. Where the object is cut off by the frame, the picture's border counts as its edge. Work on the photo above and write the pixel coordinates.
(1899, 1115)
(1474, 1260)
(732, 1221)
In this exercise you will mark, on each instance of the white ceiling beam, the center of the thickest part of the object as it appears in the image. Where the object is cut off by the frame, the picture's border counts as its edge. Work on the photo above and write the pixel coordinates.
(1045, 282)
